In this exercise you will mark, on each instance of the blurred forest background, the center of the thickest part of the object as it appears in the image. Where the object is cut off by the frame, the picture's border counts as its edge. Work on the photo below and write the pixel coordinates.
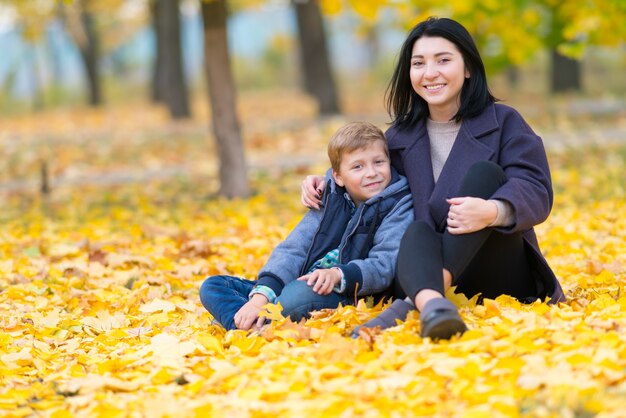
(148, 144)
(123, 90)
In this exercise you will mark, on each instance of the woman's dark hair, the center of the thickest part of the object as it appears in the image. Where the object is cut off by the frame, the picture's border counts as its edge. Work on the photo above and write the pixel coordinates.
(406, 107)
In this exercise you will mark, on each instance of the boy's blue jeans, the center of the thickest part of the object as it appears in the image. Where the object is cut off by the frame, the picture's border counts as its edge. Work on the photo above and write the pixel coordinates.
(223, 296)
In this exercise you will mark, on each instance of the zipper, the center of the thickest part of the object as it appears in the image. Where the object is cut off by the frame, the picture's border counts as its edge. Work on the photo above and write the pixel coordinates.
(361, 209)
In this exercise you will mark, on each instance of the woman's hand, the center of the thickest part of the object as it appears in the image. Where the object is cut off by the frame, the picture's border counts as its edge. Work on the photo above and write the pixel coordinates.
(248, 314)
(312, 190)
(323, 280)
(470, 214)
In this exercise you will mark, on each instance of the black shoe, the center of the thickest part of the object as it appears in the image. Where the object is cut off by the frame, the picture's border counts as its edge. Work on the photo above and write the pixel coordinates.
(442, 324)
(398, 310)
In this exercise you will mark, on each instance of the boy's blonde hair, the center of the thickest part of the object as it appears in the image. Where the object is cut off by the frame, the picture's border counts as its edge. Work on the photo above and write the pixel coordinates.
(351, 137)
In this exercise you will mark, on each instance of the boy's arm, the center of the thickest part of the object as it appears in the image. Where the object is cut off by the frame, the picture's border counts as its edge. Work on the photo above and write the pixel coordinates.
(286, 260)
(376, 272)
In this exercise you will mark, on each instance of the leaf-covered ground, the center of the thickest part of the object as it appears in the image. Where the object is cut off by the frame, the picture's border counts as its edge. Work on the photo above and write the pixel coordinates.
(100, 313)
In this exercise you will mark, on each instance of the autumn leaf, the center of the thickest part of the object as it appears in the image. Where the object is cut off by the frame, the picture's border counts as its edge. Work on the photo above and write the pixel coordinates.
(157, 305)
(272, 312)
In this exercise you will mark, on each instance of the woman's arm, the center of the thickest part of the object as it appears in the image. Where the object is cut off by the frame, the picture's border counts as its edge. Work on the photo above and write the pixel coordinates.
(528, 189)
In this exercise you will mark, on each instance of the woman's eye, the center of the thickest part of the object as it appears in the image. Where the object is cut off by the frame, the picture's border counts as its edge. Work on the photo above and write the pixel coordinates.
(417, 64)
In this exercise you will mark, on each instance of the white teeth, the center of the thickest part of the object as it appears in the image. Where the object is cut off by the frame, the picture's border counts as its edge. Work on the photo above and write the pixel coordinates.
(434, 87)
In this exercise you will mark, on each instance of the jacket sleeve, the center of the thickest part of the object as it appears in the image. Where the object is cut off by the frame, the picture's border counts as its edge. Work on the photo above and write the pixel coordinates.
(376, 272)
(528, 188)
(286, 260)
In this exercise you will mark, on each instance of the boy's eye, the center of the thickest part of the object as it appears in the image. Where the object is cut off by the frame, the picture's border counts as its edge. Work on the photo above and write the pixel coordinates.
(356, 166)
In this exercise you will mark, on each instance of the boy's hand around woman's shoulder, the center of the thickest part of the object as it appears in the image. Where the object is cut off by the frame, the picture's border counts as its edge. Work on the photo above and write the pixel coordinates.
(312, 190)
(323, 280)
(248, 315)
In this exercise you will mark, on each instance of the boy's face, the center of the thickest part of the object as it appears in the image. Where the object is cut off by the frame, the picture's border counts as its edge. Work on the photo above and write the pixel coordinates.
(364, 172)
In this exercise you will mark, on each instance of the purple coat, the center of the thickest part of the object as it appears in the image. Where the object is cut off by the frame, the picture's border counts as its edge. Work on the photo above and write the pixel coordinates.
(498, 134)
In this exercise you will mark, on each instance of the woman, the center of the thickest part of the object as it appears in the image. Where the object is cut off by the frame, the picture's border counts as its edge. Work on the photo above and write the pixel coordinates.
(479, 179)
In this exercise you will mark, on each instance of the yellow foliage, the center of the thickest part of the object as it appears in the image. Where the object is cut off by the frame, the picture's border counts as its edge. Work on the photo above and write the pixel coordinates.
(367, 9)
(100, 312)
(330, 7)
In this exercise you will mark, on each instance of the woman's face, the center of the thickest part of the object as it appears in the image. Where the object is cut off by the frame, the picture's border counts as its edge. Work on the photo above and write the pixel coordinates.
(437, 75)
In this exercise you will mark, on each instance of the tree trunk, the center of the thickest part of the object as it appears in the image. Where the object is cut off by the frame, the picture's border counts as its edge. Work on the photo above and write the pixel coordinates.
(169, 85)
(318, 78)
(372, 42)
(81, 27)
(233, 172)
(156, 88)
(565, 73)
(512, 76)
(54, 60)
(90, 51)
(36, 84)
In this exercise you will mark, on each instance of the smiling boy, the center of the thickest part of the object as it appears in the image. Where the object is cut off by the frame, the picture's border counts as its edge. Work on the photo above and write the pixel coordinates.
(344, 250)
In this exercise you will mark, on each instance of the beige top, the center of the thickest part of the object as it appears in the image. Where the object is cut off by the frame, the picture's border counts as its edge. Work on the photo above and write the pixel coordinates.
(442, 136)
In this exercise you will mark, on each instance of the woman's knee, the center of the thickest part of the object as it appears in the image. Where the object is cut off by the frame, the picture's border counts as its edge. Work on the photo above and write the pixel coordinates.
(487, 169)
(482, 180)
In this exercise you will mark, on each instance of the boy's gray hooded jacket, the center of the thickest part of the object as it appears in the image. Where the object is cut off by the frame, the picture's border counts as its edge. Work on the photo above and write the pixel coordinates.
(368, 239)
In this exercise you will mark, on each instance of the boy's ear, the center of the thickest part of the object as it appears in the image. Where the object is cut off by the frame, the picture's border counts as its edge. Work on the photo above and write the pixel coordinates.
(337, 178)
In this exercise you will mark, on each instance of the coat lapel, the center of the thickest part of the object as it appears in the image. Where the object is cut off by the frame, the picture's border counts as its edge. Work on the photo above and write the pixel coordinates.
(414, 146)
(468, 149)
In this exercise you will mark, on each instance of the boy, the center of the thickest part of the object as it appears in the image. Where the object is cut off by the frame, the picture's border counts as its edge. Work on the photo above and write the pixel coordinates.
(347, 248)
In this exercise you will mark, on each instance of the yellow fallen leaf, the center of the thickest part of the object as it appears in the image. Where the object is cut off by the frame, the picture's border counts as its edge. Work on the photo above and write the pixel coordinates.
(157, 305)
(95, 382)
(115, 260)
(273, 312)
(211, 343)
(104, 321)
(59, 251)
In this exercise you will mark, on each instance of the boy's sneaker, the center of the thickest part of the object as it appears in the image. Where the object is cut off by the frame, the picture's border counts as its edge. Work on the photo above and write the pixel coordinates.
(440, 320)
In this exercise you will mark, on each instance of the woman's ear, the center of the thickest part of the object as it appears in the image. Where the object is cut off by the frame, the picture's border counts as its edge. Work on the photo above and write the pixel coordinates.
(467, 73)
(338, 178)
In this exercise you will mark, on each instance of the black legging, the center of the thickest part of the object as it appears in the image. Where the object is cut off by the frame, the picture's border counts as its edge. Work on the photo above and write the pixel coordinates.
(486, 261)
